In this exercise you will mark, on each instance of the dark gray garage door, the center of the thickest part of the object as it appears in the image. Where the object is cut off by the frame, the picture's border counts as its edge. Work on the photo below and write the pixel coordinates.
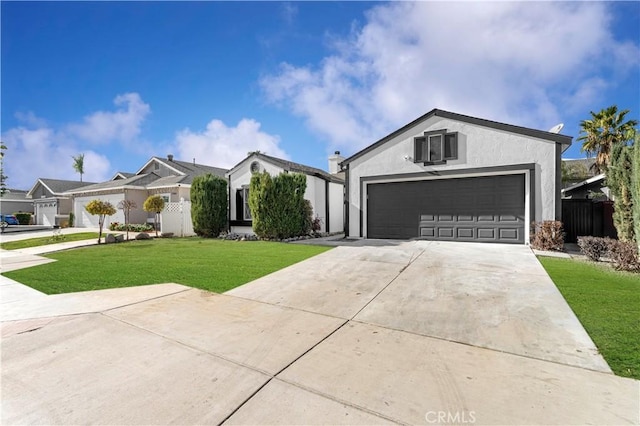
(487, 208)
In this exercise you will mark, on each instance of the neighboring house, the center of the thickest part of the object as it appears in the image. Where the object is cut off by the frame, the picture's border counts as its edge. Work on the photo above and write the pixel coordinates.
(452, 177)
(122, 175)
(15, 200)
(162, 176)
(324, 190)
(51, 202)
(593, 188)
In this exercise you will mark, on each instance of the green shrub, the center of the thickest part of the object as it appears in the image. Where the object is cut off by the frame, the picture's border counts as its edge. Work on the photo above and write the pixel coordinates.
(278, 207)
(72, 218)
(23, 218)
(133, 227)
(209, 204)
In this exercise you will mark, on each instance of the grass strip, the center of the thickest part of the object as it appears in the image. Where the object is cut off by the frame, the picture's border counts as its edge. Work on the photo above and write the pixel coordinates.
(607, 303)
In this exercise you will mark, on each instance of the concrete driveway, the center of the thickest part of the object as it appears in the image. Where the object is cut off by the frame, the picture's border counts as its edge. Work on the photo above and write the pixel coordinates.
(409, 333)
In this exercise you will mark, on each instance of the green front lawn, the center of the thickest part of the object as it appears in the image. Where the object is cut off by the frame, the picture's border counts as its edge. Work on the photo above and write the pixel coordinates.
(607, 303)
(209, 264)
(41, 241)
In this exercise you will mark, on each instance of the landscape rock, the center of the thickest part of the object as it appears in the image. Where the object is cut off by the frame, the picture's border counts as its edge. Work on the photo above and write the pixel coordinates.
(110, 239)
(143, 236)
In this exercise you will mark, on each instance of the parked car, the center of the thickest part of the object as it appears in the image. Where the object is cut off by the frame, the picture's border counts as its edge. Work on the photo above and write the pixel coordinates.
(9, 219)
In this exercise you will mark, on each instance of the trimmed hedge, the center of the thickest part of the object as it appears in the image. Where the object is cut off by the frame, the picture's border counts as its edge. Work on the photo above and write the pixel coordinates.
(23, 218)
(133, 227)
(209, 204)
(278, 207)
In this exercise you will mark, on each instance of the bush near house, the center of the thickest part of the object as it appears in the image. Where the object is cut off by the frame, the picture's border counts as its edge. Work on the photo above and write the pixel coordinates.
(547, 235)
(23, 218)
(132, 227)
(278, 207)
(623, 254)
(209, 204)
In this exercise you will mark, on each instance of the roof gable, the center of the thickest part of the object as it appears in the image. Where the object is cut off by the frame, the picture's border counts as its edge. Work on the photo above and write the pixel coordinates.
(183, 168)
(540, 134)
(57, 186)
(137, 181)
(289, 166)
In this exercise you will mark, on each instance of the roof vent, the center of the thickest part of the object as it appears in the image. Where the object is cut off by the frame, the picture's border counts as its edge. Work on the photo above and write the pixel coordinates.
(170, 157)
(255, 167)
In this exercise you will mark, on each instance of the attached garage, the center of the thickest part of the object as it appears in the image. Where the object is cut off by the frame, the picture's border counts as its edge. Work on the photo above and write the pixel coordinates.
(46, 213)
(452, 177)
(489, 209)
(86, 220)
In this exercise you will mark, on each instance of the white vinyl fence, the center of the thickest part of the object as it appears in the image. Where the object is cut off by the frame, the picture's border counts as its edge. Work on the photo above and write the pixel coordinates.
(176, 218)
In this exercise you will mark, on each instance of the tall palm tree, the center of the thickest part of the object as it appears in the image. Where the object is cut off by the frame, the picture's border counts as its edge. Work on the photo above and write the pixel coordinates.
(78, 164)
(605, 129)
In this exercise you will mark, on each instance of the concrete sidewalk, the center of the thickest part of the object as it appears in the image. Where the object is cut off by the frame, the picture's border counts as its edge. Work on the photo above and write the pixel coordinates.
(402, 334)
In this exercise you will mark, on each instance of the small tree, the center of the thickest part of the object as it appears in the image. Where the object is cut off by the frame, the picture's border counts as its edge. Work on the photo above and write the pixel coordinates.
(209, 203)
(78, 164)
(126, 206)
(154, 203)
(102, 209)
(619, 181)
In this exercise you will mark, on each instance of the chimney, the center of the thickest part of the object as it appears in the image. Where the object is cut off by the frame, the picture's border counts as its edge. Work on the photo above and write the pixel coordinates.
(170, 157)
(334, 162)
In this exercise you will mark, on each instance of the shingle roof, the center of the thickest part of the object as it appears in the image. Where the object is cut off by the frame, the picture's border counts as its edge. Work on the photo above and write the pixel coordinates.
(193, 169)
(59, 186)
(137, 180)
(14, 194)
(123, 174)
(169, 181)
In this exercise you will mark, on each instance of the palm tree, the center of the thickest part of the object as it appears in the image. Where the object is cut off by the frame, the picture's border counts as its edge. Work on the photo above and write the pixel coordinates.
(78, 164)
(605, 129)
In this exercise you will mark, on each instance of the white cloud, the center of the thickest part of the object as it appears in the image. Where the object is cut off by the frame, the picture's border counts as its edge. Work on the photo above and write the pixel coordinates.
(122, 125)
(39, 149)
(35, 153)
(517, 62)
(222, 146)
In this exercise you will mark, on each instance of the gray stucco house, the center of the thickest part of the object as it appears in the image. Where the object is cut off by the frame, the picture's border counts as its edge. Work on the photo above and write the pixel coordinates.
(448, 176)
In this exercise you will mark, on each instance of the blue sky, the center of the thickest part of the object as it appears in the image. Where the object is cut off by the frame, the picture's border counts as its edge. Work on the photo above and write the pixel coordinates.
(122, 81)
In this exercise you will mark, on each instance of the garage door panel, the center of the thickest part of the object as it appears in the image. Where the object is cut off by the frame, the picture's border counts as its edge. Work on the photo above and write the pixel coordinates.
(487, 208)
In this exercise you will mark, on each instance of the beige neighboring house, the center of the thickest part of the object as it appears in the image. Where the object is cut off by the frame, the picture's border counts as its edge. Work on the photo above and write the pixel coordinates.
(15, 200)
(166, 177)
(51, 203)
(325, 190)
